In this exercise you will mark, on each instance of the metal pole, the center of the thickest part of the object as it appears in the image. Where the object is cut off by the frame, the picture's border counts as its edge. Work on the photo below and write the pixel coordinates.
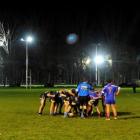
(26, 64)
(30, 78)
(96, 70)
(98, 76)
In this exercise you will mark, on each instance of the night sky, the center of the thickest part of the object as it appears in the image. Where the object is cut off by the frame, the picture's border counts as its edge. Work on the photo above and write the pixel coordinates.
(97, 22)
(114, 27)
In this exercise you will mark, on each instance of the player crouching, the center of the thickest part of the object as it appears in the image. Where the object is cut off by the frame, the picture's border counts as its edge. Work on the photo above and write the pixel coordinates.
(43, 97)
(93, 103)
(67, 95)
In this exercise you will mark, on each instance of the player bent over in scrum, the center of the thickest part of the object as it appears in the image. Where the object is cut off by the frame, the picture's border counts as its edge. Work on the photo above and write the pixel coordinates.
(66, 94)
(74, 104)
(54, 102)
(73, 109)
(93, 103)
(43, 98)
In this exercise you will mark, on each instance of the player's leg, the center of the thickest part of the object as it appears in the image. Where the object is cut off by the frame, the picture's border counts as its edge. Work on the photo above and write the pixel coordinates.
(113, 107)
(90, 107)
(55, 108)
(66, 106)
(95, 104)
(42, 105)
(69, 109)
(85, 103)
(98, 111)
(103, 105)
(52, 107)
(107, 111)
(80, 100)
(73, 107)
(60, 105)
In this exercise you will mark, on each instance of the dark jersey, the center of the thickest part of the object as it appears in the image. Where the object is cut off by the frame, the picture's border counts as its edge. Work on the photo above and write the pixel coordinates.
(44, 95)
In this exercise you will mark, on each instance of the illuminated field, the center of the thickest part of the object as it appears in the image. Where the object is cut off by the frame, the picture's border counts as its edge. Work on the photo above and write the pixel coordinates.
(19, 119)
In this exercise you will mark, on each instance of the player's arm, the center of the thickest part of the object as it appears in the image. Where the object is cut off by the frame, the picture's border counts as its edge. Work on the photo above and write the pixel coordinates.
(70, 93)
(50, 95)
(100, 93)
(61, 92)
(118, 91)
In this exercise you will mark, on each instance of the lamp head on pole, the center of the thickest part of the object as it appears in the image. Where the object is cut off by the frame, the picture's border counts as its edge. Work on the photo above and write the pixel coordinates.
(99, 59)
(28, 39)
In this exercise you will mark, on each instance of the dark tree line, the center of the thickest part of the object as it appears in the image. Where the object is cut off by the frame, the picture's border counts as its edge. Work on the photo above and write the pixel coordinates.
(52, 60)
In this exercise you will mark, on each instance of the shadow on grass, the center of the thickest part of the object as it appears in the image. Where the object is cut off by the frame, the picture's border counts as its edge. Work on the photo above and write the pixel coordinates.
(130, 117)
(124, 113)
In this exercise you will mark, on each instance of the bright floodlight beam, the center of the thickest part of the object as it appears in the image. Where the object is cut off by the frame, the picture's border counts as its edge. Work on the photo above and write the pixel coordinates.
(99, 59)
(29, 39)
(88, 61)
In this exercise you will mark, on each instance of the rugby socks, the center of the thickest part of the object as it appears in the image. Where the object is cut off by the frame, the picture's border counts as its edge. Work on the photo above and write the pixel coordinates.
(65, 114)
(82, 114)
(85, 112)
(99, 115)
(51, 113)
(107, 116)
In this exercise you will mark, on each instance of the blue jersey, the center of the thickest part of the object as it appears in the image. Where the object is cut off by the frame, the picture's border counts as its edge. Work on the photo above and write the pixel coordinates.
(83, 89)
(93, 95)
(109, 91)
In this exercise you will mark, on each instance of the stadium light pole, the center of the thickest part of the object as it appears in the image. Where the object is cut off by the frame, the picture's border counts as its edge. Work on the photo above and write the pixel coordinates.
(98, 60)
(28, 40)
(96, 69)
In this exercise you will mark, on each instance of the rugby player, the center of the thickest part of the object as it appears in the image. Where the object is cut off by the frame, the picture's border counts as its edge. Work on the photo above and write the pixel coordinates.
(43, 98)
(109, 92)
(93, 103)
(83, 89)
(65, 95)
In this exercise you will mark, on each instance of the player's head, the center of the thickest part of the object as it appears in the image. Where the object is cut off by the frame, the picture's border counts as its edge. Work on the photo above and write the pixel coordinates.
(51, 92)
(110, 81)
(85, 78)
(73, 91)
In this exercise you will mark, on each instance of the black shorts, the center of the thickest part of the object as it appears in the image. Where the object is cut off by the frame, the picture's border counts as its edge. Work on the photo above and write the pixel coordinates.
(83, 100)
(95, 103)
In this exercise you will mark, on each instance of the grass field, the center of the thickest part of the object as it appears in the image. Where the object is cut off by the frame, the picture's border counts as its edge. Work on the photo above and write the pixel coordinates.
(19, 119)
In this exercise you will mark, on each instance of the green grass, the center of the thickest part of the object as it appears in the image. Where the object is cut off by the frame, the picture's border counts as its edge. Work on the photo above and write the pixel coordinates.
(19, 119)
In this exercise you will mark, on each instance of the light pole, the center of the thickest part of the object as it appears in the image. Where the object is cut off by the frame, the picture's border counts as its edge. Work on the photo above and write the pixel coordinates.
(27, 41)
(26, 64)
(96, 68)
(98, 60)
